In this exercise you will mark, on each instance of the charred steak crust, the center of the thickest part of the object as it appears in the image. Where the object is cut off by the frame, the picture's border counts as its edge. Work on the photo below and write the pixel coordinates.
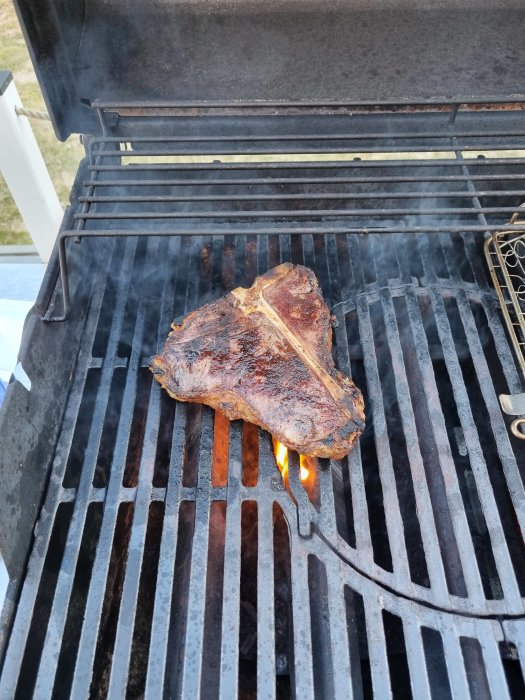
(263, 355)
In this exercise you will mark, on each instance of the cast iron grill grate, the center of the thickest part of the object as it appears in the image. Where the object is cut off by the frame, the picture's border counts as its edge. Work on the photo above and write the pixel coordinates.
(169, 558)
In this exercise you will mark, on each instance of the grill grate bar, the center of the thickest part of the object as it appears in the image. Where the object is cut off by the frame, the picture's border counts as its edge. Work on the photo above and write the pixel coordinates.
(88, 638)
(375, 633)
(262, 255)
(508, 364)
(284, 248)
(515, 630)
(292, 180)
(477, 459)
(265, 575)
(457, 675)
(340, 682)
(472, 255)
(341, 669)
(303, 213)
(193, 647)
(272, 138)
(308, 250)
(506, 454)
(394, 522)
(302, 670)
(50, 653)
(165, 577)
(298, 196)
(128, 604)
(320, 150)
(462, 537)
(430, 163)
(417, 663)
(276, 229)
(329, 473)
(24, 613)
(504, 447)
(128, 494)
(363, 539)
(492, 663)
(232, 571)
(411, 105)
(327, 520)
(190, 681)
(421, 490)
(355, 466)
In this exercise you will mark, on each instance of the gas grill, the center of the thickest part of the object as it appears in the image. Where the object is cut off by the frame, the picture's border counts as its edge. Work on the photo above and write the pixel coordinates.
(153, 547)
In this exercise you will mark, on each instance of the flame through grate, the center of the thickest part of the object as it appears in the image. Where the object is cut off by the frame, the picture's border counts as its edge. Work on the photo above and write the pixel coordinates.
(281, 457)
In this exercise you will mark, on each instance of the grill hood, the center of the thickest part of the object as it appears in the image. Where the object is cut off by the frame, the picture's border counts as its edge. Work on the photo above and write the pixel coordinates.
(306, 51)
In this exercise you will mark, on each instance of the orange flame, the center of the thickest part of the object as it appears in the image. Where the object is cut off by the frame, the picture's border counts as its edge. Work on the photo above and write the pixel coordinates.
(281, 457)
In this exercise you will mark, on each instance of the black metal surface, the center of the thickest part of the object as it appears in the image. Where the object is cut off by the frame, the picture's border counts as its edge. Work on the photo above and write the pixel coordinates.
(169, 558)
(280, 52)
(32, 419)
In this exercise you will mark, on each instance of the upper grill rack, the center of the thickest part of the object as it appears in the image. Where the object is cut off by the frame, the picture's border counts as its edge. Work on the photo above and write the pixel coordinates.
(452, 170)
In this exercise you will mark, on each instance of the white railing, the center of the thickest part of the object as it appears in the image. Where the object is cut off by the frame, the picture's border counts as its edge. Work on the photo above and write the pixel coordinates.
(25, 172)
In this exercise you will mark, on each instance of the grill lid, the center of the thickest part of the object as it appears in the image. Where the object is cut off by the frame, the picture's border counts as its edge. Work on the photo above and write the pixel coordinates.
(304, 51)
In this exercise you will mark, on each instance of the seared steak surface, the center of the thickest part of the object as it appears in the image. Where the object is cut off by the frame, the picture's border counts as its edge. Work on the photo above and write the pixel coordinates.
(263, 354)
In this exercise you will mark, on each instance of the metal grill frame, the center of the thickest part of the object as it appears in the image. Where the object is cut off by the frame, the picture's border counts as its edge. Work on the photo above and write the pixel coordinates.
(313, 533)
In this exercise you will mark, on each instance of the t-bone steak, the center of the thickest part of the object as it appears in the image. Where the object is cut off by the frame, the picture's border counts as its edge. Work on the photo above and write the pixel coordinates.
(263, 354)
